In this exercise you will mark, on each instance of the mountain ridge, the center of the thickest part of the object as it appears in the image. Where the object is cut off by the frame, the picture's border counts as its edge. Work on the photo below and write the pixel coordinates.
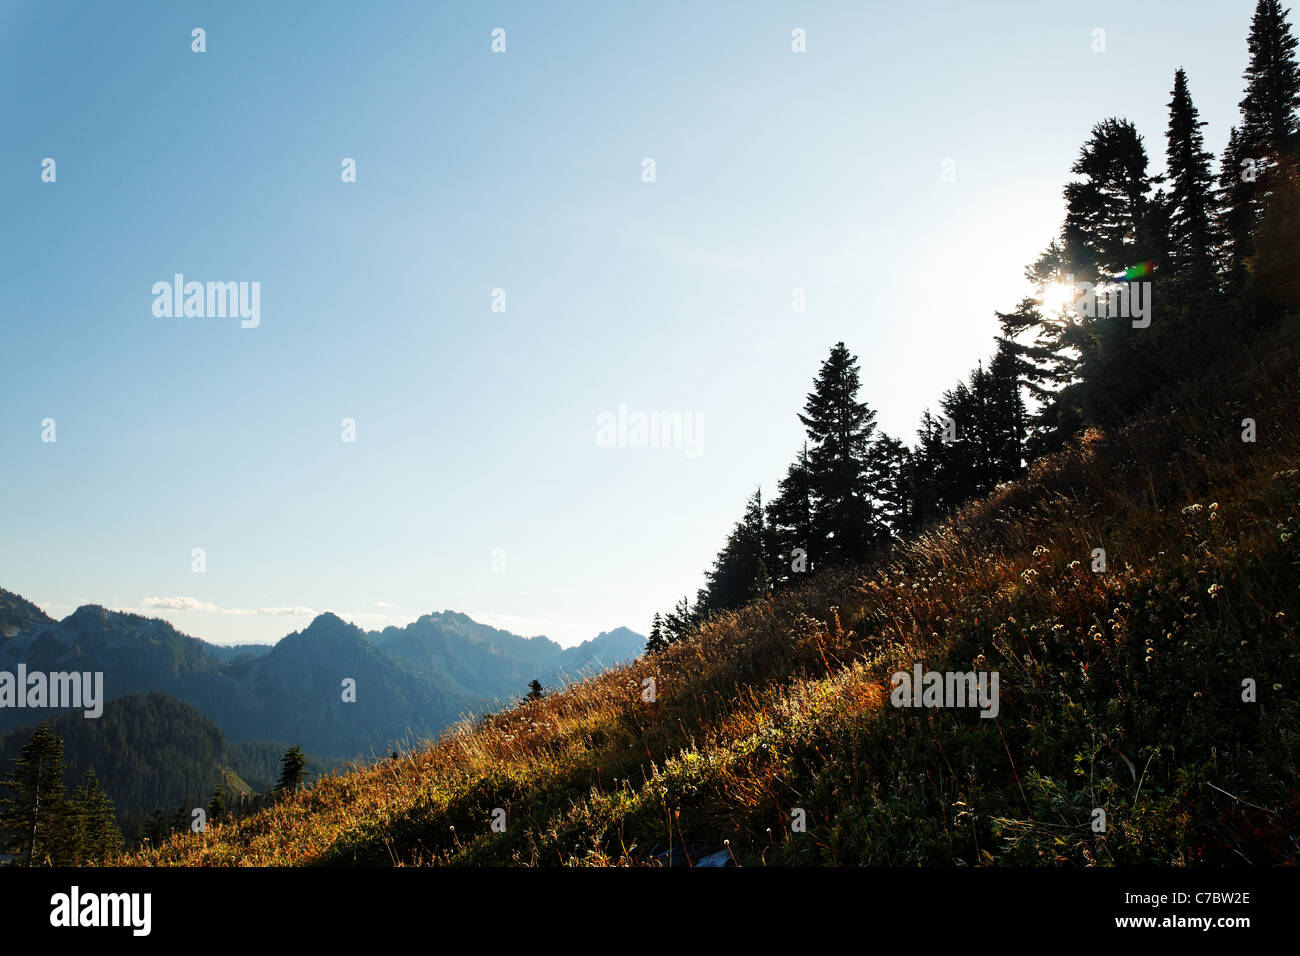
(428, 676)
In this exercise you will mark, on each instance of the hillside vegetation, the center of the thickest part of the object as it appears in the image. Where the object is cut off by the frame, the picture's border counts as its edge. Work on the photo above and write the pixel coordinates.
(1120, 690)
(158, 758)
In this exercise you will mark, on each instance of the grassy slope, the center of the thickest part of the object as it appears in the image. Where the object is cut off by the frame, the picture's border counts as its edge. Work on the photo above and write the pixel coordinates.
(1119, 690)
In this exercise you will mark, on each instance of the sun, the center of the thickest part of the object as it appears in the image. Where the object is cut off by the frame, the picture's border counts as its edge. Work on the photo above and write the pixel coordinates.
(1056, 296)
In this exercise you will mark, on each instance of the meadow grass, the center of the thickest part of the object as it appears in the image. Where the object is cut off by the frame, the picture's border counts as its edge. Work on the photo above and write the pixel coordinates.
(1120, 690)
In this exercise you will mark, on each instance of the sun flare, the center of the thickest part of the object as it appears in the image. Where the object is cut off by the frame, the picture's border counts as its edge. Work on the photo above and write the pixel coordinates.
(1056, 296)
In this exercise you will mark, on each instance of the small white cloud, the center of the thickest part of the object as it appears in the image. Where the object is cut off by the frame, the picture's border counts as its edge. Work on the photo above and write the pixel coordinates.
(194, 604)
(177, 604)
(384, 604)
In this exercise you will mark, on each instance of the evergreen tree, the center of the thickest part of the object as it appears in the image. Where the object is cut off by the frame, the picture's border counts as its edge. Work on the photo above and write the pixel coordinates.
(887, 473)
(1191, 196)
(839, 430)
(1046, 368)
(1235, 213)
(34, 824)
(657, 641)
(535, 691)
(790, 523)
(98, 838)
(292, 772)
(1268, 134)
(739, 573)
(1268, 110)
(1107, 224)
(217, 805)
(1275, 277)
(926, 461)
(1007, 411)
(1113, 229)
(679, 621)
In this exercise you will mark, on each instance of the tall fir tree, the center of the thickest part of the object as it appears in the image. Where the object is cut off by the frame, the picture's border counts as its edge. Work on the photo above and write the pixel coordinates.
(1107, 224)
(34, 819)
(839, 431)
(1112, 225)
(1269, 133)
(1191, 194)
(1269, 120)
(1235, 211)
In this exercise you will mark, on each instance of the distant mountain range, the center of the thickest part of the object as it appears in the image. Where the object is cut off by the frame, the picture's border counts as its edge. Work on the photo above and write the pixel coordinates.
(411, 682)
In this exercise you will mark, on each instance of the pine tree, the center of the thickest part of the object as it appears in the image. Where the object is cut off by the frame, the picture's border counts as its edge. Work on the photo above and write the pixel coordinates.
(839, 430)
(887, 473)
(739, 573)
(292, 771)
(98, 837)
(34, 820)
(1007, 411)
(1236, 202)
(1191, 196)
(790, 523)
(1275, 277)
(1112, 225)
(217, 805)
(679, 621)
(1268, 110)
(926, 461)
(1047, 367)
(1107, 224)
(656, 642)
(1268, 134)
(535, 691)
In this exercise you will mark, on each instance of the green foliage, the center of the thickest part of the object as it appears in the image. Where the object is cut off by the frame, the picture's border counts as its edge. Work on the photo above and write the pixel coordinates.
(292, 772)
(38, 826)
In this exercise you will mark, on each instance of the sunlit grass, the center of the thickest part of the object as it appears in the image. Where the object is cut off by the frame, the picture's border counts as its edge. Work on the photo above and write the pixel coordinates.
(1120, 690)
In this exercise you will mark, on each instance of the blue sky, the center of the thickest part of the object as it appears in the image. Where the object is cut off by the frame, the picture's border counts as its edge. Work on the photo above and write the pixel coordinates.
(476, 430)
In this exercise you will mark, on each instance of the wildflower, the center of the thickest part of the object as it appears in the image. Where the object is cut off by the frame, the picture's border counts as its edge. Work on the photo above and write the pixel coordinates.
(1213, 590)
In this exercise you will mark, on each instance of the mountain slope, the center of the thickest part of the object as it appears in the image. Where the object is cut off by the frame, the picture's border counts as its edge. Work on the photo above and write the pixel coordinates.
(488, 663)
(17, 614)
(296, 693)
(1121, 691)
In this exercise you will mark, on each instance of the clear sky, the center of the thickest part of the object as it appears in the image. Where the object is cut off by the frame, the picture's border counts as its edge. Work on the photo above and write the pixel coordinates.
(477, 430)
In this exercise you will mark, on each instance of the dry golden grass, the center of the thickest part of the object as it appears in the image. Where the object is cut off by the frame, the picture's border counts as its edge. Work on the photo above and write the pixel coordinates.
(1119, 690)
